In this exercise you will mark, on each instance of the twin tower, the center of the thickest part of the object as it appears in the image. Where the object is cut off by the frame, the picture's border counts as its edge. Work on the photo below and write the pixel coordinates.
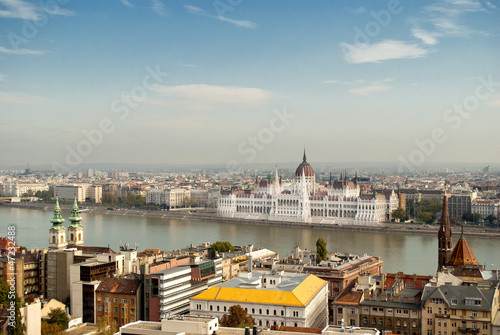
(57, 233)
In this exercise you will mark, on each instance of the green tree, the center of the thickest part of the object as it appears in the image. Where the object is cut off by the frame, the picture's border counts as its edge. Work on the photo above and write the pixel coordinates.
(399, 214)
(58, 315)
(16, 327)
(321, 252)
(220, 246)
(426, 217)
(51, 329)
(490, 218)
(109, 198)
(237, 317)
(104, 327)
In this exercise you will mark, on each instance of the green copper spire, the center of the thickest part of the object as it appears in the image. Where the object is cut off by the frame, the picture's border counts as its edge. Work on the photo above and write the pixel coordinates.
(57, 220)
(75, 217)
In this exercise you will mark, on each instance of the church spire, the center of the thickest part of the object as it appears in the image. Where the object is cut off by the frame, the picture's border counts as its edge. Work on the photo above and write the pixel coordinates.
(444, 236)
(57, 219)
(75, 217)
(304, 159)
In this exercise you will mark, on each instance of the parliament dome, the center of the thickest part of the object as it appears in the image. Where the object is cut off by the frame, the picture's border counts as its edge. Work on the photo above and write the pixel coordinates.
(304, 169)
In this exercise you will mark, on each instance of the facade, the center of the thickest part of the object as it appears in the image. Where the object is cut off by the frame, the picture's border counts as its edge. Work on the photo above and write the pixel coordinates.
(486, 207)
(119, 299)
(456, 310)
(82, 192)
(341, 202)
(461, 203)
(18, 189)
(172, 198)
(272, 298)
(399, 313)
(167, 292)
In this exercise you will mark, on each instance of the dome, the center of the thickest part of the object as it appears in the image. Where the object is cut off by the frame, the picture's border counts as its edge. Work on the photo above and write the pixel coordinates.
(304, 168)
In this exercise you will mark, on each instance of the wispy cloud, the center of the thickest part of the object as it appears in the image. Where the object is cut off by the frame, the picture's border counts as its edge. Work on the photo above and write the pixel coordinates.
(19, 98)
(370, 89)
(240, 23)
(127, 3)
(205, 97)
(359, 10)
(494, 101)
(426, 37)
(20, 51)
(384, 50)
(159, 7)
(188, 65)
(19, 9)
(344, 82)
(489, 4)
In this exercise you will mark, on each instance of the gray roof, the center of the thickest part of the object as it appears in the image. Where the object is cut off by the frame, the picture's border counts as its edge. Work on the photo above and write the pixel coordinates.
(378, 303)
(460, 294)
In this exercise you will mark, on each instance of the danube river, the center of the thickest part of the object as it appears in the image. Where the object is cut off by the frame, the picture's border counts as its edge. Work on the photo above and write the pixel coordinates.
(407, 252)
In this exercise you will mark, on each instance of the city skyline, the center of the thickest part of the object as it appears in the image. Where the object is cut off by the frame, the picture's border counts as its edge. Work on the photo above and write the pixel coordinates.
(248, 82)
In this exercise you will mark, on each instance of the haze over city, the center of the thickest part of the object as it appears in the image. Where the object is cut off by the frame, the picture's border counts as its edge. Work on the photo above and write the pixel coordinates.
(248, 82)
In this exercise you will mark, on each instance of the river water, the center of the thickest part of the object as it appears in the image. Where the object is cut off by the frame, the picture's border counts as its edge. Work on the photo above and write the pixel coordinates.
(406, 252)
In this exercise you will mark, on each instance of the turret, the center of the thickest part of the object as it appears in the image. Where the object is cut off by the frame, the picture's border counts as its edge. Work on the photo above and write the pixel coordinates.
(57, 233)
(444, 236)
(75, 229)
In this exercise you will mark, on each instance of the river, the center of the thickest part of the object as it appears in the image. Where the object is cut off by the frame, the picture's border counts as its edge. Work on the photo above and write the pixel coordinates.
(406, 252)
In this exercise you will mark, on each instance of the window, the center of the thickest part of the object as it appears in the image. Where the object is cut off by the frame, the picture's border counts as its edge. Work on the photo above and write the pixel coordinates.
(474, 314)
(282, 313)
(439, 323)
(414, 312)
(429, 310)
(453, 312)
(115, 309)
(132, 320)
(115, 299)
(414, 324)
(485, 326)
(374, 309)
(131, 301)
(405, 323)
(429, 332)
(123, 311)
(464, 313)
(374, 321)
(365, 320)
(485, 314)
(389, 322)
(99, 298)
(132, 311)
(218, 308)
(380, 322)
(474, 325)
(454, 301)
(405, 311)
(211, 307)
(253, 310)
(260, 311)
(429, 322)
(267, 311)
(353, 311)
(225, 309)
(99, 308)
(398, 323)
(107, 299)
(275, 312)
(124, 301)
(389, 310)
(398, 311)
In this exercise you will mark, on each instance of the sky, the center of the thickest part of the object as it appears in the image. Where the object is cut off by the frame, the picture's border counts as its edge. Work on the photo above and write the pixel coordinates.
(237, 82)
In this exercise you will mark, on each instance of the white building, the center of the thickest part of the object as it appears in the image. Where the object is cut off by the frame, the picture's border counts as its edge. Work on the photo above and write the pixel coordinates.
(486, 207)
(18, 189)
(270, 297)
(173, 198)
(340, 202)
(82, 192)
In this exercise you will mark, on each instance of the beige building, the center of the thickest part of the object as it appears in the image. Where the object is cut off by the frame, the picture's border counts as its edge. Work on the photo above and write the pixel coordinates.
(82, 192)
(459, 310)
(272, 298)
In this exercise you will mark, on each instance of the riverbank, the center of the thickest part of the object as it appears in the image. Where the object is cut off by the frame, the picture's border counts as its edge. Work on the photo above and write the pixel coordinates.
(210, 215)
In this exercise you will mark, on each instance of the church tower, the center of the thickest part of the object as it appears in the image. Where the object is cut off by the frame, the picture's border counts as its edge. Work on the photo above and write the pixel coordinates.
(57, 233)
(75, 229)
(444, 236)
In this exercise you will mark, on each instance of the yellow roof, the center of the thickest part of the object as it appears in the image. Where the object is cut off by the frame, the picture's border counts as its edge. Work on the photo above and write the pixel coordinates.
(299, 296)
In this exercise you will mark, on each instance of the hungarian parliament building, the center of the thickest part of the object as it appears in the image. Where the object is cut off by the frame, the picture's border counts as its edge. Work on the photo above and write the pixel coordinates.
(303, 200)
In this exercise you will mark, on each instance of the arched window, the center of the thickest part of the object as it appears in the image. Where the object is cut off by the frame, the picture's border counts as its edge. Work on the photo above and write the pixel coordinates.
(54, 239)
(71, 237)
(62, 239)
(211, 308)
(365, 320)
(224, 308)
(253, 310)
(80, 237)
(389, 322)
(217, 308)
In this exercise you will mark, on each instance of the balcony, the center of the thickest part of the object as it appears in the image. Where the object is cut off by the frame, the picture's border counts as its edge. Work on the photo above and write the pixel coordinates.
(468, 330)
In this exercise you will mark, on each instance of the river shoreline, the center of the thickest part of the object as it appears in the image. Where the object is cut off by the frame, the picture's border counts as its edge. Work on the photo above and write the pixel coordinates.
(391, 227)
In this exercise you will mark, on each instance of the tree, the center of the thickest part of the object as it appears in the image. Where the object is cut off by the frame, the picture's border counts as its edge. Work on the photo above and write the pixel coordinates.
(9, 300)
(399, 214)
(51, 329)
(237, 317)
(426, 217)
(220, 246)
(104, 327)
(490, 218)
(58, 315)
(321, 252)
(109, 198)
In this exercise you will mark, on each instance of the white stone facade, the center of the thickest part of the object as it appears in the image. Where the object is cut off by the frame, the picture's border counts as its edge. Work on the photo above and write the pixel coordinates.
(340, 202)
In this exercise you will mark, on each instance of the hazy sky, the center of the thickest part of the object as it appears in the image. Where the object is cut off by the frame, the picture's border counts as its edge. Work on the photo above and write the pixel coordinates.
(248, 81)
